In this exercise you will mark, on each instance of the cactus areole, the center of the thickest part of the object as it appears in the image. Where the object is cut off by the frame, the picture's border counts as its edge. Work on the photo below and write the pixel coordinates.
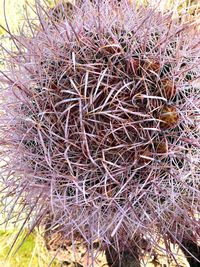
(100, 124)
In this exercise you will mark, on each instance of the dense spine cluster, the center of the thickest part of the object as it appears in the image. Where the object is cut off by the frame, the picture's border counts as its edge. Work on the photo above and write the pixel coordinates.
(100, 124)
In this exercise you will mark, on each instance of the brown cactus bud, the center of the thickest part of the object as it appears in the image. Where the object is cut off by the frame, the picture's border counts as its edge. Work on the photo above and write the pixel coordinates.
(168, 116)
(161, 147)
(168, 88)
(151, 65)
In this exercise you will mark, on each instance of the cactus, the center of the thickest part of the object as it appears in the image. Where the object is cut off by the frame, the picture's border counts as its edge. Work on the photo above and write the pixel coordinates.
(99, 125)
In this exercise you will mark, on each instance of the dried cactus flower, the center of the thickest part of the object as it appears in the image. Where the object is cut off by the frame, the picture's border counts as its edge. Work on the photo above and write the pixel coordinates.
(100, 125)
(168, 116)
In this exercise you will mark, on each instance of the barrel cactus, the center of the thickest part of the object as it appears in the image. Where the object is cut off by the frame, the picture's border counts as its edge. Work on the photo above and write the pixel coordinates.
(100, 126)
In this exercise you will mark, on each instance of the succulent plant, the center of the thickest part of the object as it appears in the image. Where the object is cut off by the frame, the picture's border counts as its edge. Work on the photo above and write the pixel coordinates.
(100, 125)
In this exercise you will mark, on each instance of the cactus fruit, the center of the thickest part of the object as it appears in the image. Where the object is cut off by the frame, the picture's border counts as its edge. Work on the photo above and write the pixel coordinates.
(100, 125)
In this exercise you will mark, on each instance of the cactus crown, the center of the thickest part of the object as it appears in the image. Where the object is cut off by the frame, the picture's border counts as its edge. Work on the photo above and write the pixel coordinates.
(100, 124)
